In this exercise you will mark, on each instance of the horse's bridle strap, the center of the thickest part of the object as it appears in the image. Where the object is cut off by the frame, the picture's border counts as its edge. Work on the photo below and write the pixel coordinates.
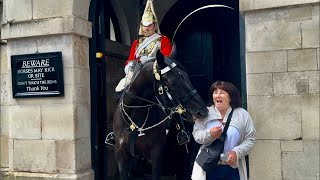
(189, 96)
(168, 68)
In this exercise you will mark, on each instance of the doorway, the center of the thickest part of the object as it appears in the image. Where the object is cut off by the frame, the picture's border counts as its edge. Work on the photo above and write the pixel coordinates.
(210, 42)
(210, 46)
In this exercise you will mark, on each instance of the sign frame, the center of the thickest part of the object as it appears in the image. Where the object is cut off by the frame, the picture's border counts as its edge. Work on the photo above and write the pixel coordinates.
(37, 75)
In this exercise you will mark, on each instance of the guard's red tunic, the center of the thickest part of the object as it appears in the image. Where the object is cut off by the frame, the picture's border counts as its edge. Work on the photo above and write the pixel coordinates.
(166, 48)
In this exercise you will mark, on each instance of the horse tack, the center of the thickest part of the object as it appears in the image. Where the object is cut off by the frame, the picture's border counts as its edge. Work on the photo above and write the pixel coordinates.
(150, 145)
(178, 109)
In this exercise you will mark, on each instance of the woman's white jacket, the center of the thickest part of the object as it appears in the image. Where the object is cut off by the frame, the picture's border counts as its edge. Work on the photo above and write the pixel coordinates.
(242, 121)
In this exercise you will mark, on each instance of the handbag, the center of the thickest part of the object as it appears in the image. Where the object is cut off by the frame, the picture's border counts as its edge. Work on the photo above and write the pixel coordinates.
(209, 156)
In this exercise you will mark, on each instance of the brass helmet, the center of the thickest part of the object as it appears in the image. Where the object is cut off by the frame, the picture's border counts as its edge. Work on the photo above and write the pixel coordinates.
(149, 17)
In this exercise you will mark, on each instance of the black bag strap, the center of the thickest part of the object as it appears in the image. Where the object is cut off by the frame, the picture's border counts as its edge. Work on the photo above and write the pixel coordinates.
(224, 133)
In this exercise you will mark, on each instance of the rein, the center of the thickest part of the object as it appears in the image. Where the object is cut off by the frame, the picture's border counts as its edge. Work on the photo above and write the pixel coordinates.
(134, 126)
(177, 109)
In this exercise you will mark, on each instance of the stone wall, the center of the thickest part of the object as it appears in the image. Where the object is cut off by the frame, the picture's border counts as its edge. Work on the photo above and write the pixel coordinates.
(282, 53)
(47, 137)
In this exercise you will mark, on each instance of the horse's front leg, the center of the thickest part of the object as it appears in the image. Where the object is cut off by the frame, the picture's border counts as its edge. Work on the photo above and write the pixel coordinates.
(156, 162)
(122, 161)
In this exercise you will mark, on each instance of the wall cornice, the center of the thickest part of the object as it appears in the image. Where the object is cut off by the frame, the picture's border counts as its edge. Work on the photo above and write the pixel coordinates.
(45, 27)
(250, 5)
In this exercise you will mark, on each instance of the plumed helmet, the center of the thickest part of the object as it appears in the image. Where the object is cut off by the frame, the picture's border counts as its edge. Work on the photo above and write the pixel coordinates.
(149, 17)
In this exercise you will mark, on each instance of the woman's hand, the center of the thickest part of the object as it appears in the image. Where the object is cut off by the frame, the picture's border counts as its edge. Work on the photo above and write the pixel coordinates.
(216, 131)
(232, 158)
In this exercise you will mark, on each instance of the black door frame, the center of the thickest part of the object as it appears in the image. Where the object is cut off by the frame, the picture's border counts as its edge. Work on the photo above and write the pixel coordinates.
(97, 63)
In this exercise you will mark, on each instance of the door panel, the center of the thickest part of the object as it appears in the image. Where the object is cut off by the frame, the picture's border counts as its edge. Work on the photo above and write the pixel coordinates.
(195, 53)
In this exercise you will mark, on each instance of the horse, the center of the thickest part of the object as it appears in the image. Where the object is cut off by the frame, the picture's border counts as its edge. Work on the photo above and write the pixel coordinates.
(160, 90)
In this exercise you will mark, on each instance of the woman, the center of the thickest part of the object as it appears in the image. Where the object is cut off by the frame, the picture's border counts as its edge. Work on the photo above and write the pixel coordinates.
(240, 135)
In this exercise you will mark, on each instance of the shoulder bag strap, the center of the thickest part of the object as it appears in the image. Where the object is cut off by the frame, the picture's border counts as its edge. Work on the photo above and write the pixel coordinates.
(224, 133)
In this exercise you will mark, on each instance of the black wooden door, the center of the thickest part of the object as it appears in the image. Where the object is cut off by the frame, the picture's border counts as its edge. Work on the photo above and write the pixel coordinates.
(195, 52)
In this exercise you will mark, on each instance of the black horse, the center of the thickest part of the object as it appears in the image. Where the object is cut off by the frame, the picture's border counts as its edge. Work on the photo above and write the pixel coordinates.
(160, 90)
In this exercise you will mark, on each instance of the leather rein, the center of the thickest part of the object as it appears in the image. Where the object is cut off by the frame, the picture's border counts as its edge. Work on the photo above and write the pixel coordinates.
(163, 93)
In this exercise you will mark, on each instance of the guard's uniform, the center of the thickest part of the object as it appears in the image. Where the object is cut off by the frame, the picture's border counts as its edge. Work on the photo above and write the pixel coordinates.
(145, 48)
(165, 48)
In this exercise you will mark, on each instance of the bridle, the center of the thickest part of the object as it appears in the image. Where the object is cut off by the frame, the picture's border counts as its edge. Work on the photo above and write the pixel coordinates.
(164, 92)
(164, 97)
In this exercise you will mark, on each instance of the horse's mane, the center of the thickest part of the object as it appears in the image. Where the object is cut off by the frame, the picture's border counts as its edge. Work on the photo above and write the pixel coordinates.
(173, 55)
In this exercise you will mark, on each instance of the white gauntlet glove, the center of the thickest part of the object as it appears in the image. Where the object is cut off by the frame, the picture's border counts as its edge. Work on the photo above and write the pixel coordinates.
(126, 68)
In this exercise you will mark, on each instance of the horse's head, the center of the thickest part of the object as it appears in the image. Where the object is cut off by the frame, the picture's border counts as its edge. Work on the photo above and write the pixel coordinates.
(177, 84)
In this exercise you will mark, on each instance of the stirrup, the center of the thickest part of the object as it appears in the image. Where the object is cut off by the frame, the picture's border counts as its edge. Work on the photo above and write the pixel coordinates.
(111, 139)
(183, 137)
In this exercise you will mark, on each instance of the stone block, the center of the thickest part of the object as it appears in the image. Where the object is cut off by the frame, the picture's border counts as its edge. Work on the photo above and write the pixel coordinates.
(4, 151)
(77, 76)
(5, 90)
(310, 117)
(302, 86)
(302, 165)
(302, 60)
(245, 5)
(34, 156)
(314, 82)
(25, 122)
(83, 154)
(65, 156)
(11, 147)
(269, 61)
(310, 30)
(4, 65)
(271, 30)
(81, 8)
(280, 115)
(69, 75)
(78, 26)
(34, 28)
(318, 57)
(75, 52)
(300, 13)
(58, 118)
(259, 84)
(82, 77)
(288, 83)
(61, 43)
(81, 52)
(21, 46)
(83, 121)
(82, 95)
(47, 9)
(46, 27)
(4, 121)
(5, 31)
(292, 146)
(265, 160)
(18, 10)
